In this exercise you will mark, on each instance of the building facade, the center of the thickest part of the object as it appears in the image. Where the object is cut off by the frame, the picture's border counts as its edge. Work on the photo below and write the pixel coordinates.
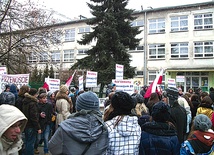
(179, 39)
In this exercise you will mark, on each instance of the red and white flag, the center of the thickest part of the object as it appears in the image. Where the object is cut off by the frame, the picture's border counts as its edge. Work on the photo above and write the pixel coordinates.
(153, 86)
(68, 82)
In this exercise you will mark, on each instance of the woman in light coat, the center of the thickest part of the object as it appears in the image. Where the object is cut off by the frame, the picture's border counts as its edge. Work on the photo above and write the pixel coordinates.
(13, 122)
(63, 105)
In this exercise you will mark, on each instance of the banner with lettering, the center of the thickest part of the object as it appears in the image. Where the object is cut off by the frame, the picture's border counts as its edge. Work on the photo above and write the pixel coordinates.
(124, 85)
(81, 83)
(119, 72)
(53, 84)
(91, 79)
(17, 79)
(3, 70)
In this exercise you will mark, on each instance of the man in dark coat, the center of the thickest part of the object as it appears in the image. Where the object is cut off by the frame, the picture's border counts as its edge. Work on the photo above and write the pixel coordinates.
(177, 113)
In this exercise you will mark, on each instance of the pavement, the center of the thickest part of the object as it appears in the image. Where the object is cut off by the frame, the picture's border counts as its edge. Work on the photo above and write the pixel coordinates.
(41, 152)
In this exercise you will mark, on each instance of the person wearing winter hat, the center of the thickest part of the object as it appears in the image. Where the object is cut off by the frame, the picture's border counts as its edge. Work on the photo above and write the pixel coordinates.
(30, 109)
(64, 104)
(201, 137)
(7, 98)
(124, 130)
(13, 122)
(178, 114)
(152, 140)
(87, 101)
(84, 132)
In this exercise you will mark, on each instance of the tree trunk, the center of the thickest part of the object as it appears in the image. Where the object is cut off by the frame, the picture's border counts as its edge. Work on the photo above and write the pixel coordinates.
(101, 90)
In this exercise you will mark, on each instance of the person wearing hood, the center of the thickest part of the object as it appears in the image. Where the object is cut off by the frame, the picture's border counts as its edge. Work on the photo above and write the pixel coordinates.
(201, 137)
(13, 122)
(83, 132)
(124, 130)
(13, 89)
(159, 136)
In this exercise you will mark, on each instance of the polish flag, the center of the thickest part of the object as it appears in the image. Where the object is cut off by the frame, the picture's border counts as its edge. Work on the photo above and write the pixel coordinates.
(153, 86)
(68, 82)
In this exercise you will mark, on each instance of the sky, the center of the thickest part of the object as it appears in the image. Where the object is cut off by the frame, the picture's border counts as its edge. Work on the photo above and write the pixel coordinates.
(74, 8)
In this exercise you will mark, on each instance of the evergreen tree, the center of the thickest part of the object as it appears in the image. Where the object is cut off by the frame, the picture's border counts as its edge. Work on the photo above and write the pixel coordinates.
(46, 72)
(51, 72)
(39, 79)
(114, 36)
(34, 75)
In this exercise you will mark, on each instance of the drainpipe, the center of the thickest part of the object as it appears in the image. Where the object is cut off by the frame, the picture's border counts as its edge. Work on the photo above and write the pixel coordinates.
(145, 50)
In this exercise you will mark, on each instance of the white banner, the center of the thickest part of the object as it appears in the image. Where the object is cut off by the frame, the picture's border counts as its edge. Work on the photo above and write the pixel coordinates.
(119, 72)
(171, 83)
(81, 83)
(3, 70)
(91, 79)
(124, 85)
(53, 84)
(17, 79)
(180, 78)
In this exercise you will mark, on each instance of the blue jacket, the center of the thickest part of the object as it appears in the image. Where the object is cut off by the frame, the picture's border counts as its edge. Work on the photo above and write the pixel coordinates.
(186, 149)
(159, 139)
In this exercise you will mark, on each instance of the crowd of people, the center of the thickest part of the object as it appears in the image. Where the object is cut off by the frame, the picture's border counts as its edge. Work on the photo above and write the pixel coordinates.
(70, 122)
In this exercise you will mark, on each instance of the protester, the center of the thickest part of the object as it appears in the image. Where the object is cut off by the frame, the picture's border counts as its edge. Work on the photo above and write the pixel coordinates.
(152, 100)
(124, 130)
(13, 122)
(205, 107)
(13, 89)
(7, 98)
(63, 104)
(84, 132)
(19, 102)
(177, 113)
(201, 138)
(45, 111)
(7, 88)
(30, 109)
(183, 103)
(159, 136)
(195, 102)
(51, 100)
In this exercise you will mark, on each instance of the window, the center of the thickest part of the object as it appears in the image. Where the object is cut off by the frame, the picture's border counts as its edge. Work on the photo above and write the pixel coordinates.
(43, 57)
(55, 56)
(82, 51)
(203, 49)
(179, 23)
(203, 21)
(84, 29)
(157, 25)
(179, 50)
(137, 23)
(138, 48)
(157, 51)
(68, 56)
(70, 35)
(153, 74)
(32, 57)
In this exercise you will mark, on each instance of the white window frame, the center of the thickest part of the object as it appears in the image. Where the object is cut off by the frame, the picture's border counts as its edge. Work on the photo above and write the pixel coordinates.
(32, 57)
(153, 74)
(68, 55)
(203, 21)
(55, 56)
(137, 23)
(179, 23)
(84, 29)
(157, 51)
(204, 49)
(156, 25)
(43, 57)
(138, 48)
(82, 51)
(179, 50)
(70, 34)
